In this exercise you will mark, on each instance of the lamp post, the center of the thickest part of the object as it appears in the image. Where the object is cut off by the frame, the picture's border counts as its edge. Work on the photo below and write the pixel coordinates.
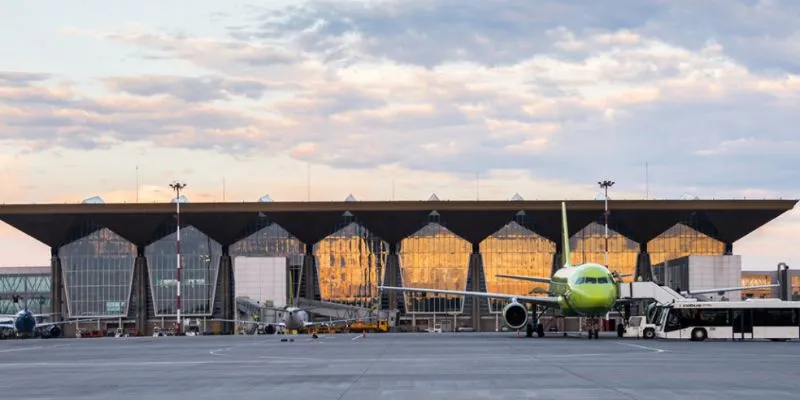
(605, 185)
(177, 187)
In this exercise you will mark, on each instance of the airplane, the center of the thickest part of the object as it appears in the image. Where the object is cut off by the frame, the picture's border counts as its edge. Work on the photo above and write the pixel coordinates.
(24, 324)
(292, 318)
(585, 290)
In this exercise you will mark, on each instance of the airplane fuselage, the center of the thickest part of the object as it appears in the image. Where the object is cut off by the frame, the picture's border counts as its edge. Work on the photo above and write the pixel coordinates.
(295, 318)
(586, 290)
(25, 322)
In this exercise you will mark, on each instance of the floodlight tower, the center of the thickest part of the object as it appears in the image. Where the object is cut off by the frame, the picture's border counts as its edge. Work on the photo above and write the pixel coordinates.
(177, 187)
(605, 185)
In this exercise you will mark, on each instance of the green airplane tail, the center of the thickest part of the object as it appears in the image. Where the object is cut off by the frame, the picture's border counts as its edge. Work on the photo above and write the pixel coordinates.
(565, 235)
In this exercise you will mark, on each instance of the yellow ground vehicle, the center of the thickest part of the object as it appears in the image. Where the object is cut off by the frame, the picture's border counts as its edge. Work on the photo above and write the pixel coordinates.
(371, 326)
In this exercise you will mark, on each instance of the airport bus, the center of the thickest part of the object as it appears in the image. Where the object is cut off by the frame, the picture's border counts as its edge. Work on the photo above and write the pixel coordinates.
(772, 319)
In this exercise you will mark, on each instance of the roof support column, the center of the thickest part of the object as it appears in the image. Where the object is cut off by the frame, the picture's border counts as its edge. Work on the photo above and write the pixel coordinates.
(226, 290)
(309, 289)
(728, 248)
(57, 295)
(475, 282)
(141, 287)
(644, 269)
(557, 258)
(392, 277)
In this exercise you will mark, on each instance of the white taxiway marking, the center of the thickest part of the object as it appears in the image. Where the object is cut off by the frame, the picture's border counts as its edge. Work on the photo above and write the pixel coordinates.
(20, 349)
(638, 346)
(356, 337)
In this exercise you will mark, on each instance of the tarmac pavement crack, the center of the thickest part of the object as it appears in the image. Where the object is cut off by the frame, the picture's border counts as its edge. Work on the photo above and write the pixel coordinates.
(367, 368)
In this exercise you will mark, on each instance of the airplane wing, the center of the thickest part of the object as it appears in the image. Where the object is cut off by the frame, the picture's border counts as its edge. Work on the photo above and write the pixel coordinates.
(334, 322)
(540, 300)
(240, 321)
(525, 278)
(6, 326)
(69, 321)
(730, 289)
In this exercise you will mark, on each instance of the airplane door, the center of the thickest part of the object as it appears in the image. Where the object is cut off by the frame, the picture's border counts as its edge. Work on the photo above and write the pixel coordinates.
(742, 324)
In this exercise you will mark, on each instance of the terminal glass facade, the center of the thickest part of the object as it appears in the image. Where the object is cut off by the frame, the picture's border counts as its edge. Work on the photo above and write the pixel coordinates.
(681, 241)
(757, 279)
(200, 257)
(351, 264)
(515, 250)
(98, 273)
(33, 288)
(267, 240)
(589, 245)
(434, 257)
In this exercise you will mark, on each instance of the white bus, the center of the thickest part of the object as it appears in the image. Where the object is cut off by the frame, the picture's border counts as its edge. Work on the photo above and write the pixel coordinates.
(738, 320)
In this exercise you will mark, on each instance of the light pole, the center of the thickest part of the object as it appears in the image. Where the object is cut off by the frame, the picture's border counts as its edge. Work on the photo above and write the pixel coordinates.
(177, 187)
(605, 185)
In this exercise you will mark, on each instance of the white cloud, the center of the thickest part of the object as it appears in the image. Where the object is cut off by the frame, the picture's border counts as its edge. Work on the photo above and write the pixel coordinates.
(442, 89)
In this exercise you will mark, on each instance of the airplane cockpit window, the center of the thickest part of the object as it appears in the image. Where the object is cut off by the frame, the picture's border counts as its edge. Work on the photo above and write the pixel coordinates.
(590, 280)
(579, 281)
(602, 280)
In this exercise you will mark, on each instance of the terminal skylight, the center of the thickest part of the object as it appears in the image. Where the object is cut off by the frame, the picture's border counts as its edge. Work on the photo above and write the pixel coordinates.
(182, 199)
(93, 200)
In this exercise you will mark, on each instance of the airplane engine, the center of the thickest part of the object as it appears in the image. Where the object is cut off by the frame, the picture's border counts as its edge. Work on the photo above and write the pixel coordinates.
(515, 315)
(52, 331)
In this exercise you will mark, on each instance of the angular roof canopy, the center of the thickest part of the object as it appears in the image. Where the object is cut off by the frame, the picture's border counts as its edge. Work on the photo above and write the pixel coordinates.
(639, 220)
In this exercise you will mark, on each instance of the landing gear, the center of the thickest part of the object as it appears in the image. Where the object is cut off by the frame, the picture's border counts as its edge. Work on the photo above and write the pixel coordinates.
(594, 330)
(530, 329)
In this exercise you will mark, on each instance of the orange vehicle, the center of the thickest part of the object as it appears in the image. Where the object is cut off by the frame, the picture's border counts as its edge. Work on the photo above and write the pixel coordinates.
(380, 325)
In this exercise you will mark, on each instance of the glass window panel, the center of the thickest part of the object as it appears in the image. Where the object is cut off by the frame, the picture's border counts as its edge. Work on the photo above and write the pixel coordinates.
(356, 267)
(588, 245)
(98, 273)
(515, 250)
(680, 241)
(434, 257)
(200, 257)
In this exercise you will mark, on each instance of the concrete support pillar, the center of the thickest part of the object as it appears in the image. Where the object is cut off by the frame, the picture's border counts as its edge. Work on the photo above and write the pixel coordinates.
(392, 278)
(728, 248)
(557, 258)
(309, 269)
(556, 263)
(476, 279)
(226, 290)
(141, 280)
(57, 294)
(644, 268)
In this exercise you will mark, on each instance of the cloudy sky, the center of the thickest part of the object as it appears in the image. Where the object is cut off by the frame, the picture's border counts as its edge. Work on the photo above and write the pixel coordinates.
(400, 99)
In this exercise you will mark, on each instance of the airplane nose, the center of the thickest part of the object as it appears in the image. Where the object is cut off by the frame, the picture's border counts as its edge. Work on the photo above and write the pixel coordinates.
(592, 297)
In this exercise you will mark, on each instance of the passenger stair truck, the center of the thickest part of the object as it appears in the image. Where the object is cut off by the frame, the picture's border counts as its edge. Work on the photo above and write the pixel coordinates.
(639, 326)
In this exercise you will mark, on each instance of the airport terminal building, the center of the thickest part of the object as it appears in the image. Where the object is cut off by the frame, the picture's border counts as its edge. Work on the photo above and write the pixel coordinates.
(119, 260)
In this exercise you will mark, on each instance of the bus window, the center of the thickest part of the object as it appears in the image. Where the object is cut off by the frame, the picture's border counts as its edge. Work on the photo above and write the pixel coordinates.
(774, 317)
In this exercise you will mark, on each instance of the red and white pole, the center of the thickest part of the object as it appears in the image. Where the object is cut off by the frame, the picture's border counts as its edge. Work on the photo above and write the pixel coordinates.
(177, 186)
